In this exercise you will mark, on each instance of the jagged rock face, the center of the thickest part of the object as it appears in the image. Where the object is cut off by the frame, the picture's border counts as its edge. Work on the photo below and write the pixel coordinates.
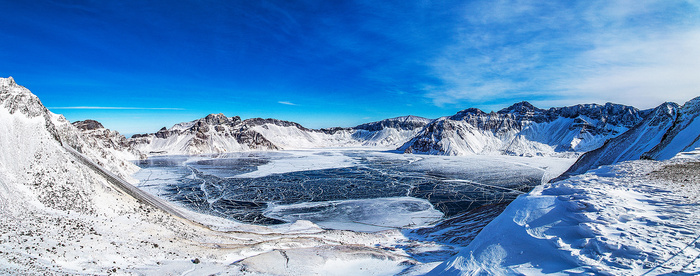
(523, 129)
(523, 110)
(614, 114)
(88, 125)
(260, 122)
(403, 123)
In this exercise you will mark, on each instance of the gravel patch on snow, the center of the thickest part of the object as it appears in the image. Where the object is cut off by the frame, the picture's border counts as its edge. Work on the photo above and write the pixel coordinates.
(683, 177)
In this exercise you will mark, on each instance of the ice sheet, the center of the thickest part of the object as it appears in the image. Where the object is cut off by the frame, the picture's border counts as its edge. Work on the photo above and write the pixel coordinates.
(244, 186)
(303, 160)
(366, 215)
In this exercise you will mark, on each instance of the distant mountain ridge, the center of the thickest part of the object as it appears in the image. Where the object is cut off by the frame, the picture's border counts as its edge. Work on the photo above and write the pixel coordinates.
(217, 133)
(523, 129)
(520, 129)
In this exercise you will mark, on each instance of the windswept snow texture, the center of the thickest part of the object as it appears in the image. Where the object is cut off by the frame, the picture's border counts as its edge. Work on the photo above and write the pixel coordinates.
(634, 218)
(524, 130)
(667, 131)
(355, 189)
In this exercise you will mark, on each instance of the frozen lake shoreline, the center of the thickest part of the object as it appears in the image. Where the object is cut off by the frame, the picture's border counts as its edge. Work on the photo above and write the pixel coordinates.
(340, 188)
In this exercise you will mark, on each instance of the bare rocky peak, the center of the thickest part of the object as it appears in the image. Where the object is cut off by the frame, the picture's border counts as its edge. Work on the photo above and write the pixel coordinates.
(403, 123)
(260, 121)
(611, 113)
(521, 108)
(663, 113)
(220, 119)
(88, 125)
(522, 113)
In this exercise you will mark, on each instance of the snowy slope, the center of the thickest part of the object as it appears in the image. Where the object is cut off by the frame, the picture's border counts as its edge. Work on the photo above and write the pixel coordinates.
(634, 218)
(668, 130)
(524, 130)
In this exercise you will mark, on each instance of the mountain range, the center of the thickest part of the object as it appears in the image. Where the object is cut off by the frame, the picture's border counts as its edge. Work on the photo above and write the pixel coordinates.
(598, 134)
(520, 129)
(63, 212)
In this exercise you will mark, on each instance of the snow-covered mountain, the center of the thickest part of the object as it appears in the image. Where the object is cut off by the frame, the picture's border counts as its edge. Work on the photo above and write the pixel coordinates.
(65, 210)
(217, 133)
(666, 132)
(525, 130)
(58, 214)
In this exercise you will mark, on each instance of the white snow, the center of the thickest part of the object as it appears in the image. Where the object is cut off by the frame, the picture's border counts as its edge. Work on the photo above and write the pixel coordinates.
(59, 216)
(365, 215)
(613, 220)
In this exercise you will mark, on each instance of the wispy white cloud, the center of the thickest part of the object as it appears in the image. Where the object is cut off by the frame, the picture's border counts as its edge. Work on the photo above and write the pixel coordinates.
(116, 108)
(643, 72)
(286, 103)
(632, 52)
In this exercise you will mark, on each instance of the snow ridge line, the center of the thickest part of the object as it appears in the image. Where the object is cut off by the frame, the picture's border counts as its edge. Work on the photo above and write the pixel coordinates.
(131, 190)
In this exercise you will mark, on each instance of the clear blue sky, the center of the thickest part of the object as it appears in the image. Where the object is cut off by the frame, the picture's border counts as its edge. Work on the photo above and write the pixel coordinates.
(139, 65)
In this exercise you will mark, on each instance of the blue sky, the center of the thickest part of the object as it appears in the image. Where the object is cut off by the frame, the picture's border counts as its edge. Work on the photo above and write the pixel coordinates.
(139, 65)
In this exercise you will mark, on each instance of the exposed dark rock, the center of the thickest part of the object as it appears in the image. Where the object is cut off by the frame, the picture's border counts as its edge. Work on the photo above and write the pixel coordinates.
(88, 125)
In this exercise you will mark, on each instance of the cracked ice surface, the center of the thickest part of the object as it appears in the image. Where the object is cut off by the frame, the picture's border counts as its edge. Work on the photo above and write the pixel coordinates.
(352, 189)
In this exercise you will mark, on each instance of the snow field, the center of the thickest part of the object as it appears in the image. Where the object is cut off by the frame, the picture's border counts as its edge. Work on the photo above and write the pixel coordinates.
(614, 220)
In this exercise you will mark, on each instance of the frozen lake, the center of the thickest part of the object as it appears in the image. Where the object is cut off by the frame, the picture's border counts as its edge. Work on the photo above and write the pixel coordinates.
(354, 189)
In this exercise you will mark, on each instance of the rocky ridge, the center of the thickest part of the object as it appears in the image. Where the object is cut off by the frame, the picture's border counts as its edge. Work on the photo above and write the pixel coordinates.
(523, 129)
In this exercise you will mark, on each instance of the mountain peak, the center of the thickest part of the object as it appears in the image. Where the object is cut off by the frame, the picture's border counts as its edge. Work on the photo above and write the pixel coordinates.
(88, 125)
(216, 119)
(8, 81)
(523, 107)
(472, 110)
(10, 85)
